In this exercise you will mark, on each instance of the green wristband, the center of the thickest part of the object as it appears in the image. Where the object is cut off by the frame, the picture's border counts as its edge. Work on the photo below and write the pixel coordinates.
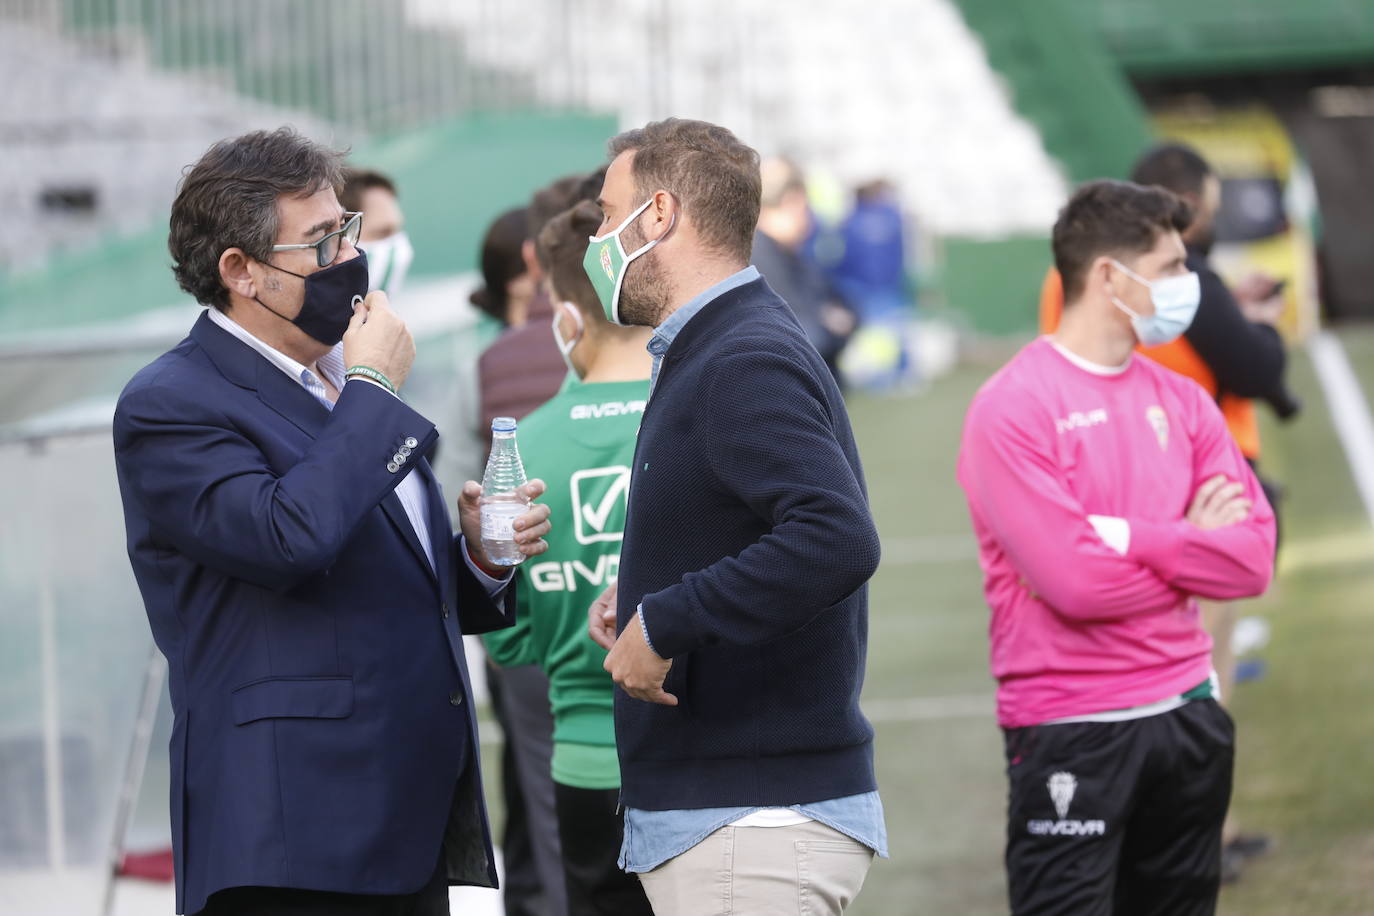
(369, 372)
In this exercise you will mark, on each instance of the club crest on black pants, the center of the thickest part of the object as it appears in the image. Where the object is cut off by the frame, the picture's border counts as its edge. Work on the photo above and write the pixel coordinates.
(1062, 786)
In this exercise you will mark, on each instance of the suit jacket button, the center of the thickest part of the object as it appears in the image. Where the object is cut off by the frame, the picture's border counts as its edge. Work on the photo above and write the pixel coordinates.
(445, 608)
(411, 442)
(392, 466)
(398, 458)
(456, 698)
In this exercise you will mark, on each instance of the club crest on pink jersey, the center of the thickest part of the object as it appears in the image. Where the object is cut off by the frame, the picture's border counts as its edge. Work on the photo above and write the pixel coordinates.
(1159, 422)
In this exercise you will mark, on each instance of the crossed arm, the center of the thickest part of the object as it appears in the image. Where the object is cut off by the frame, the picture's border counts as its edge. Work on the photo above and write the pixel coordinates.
(1221, 548)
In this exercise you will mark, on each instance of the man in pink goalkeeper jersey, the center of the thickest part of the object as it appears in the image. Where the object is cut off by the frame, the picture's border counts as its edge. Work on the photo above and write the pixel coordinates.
(1107, 496)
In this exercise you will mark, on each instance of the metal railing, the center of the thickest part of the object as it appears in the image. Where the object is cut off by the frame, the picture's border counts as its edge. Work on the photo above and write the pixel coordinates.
(74, 660)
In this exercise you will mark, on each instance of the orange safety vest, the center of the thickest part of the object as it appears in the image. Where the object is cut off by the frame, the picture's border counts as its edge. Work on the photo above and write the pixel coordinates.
(1177, 355)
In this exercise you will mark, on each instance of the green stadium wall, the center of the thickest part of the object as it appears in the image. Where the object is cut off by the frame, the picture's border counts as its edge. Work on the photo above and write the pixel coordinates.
(453, 179)
(995, 285)
(1063, 80)
(1175, 38)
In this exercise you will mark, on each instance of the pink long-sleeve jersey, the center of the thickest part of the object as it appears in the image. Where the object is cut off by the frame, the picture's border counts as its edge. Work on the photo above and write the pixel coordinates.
(1055, 451)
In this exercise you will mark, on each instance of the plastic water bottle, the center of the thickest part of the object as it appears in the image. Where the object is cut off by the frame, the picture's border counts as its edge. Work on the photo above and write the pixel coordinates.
(502, 501)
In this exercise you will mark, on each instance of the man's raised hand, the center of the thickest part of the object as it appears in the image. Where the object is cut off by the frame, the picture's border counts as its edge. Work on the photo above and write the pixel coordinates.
(379, 339)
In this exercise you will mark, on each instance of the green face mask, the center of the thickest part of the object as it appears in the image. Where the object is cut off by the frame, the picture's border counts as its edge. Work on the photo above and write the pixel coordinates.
(606, 261)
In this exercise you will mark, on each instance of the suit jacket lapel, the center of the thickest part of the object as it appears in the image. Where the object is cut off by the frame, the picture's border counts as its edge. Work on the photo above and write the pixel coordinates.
(247, 368)
(289, 398)
(440, 527)
(391, 504)
(244, 367)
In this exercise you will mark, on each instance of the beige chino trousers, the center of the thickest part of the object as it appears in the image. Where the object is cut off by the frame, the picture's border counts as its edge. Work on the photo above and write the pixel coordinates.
(804, 870)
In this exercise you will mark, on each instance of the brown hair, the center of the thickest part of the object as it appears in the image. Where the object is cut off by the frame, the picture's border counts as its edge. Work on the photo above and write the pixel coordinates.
(1175, 166)
(228, 199)
(502, 261)
(714, 177)
(561, 247)
(560, 196)
(357, 182)
(1111, 218)
(552, 200)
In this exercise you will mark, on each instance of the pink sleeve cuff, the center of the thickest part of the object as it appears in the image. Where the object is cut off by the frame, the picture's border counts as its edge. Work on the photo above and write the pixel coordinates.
(1158, 545)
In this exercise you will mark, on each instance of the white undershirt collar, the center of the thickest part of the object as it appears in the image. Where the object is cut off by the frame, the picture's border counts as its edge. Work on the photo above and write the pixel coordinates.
(330, 365)
(1087, 365)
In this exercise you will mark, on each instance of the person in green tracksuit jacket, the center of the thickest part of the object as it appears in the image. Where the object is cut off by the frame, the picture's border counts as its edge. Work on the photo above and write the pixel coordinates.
(581, 443)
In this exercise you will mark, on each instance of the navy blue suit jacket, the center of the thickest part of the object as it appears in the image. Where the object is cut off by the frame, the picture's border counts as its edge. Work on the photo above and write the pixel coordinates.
(324, 736)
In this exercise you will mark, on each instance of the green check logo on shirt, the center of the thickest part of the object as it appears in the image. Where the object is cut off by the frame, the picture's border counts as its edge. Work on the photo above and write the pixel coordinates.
(596, 493)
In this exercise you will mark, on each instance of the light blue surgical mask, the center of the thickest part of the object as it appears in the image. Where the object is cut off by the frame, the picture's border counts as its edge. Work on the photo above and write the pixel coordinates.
(1175, 300)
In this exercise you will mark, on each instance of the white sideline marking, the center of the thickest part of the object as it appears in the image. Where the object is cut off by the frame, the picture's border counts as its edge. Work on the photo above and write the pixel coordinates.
(1349, 411)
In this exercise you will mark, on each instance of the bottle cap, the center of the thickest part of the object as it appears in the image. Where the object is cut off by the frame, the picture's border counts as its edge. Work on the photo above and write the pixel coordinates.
(503, 424)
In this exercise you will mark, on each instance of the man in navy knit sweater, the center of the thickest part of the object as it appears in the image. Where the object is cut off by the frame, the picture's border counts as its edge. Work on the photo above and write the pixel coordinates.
(739, 625)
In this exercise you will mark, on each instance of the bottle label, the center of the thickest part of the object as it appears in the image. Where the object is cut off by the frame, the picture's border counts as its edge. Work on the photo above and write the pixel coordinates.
(498, 521)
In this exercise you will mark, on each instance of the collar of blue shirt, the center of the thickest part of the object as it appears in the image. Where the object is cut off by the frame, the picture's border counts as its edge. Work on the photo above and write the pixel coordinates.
(666, 332)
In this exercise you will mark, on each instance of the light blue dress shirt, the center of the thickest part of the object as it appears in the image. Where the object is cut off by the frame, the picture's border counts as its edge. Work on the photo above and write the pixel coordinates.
(654, 837)
(665, 333)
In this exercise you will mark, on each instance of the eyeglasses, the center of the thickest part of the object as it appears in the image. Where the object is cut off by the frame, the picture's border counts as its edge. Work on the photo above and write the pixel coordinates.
(327, 248)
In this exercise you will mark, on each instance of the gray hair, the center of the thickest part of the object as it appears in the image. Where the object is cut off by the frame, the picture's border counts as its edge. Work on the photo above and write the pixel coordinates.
(229, 200)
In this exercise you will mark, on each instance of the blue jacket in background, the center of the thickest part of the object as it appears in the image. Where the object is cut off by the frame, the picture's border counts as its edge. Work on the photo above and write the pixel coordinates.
(871, 271)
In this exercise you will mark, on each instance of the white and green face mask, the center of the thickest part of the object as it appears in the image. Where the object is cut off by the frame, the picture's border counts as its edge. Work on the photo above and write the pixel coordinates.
(606, 262)
(388, 260)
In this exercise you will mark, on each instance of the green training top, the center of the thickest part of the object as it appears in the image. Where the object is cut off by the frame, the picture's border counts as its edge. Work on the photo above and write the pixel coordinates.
(581, 443)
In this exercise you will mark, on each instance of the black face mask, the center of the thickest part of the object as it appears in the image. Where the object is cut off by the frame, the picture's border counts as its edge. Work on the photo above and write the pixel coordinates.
(329, 294)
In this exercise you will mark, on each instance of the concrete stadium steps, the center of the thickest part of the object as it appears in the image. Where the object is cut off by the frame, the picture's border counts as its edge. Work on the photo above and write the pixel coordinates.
(75, 122)
(897, 88)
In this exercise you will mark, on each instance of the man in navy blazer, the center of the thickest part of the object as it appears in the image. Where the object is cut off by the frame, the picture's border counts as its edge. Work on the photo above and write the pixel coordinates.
(298, 565)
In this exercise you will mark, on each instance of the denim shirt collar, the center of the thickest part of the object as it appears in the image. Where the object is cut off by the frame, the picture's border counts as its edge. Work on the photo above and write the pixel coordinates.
(666, 332)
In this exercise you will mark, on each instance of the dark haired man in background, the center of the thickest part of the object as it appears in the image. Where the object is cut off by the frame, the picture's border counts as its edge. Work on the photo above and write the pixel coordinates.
(582, 443)
(1232, 349)
(785, 222)
(518, 372)
(1106, 495)
(384, 238)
